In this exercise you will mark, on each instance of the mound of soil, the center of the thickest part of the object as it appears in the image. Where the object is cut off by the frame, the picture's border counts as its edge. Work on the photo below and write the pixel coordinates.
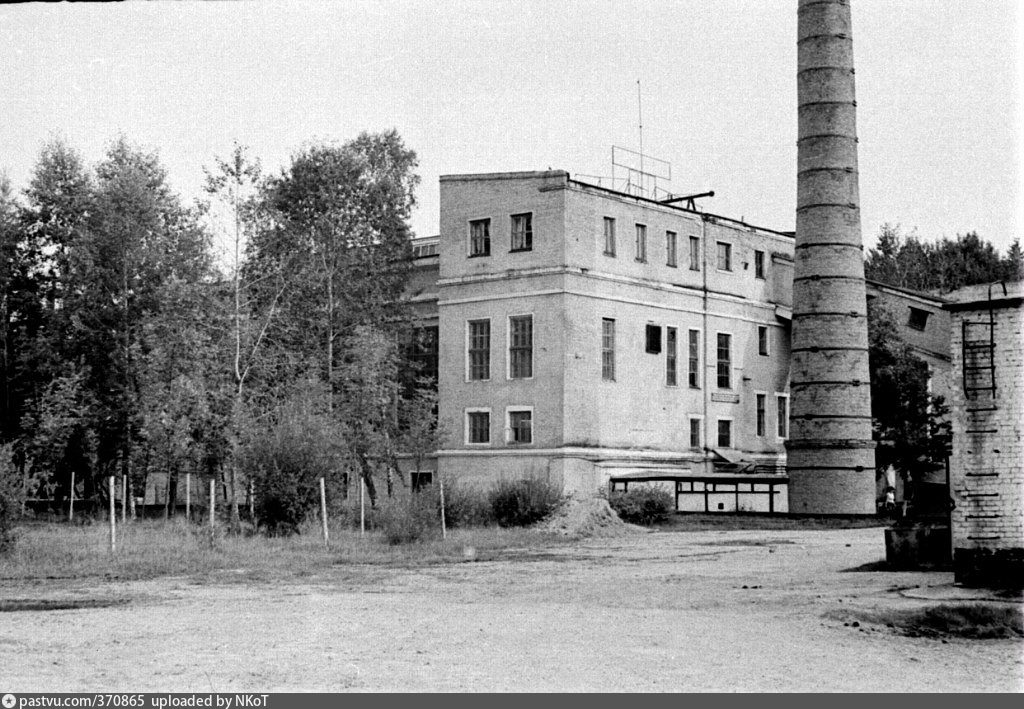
(587, 518)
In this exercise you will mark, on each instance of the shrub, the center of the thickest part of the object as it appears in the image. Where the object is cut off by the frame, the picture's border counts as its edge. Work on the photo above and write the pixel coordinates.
(465, 506)
(518, 503)
(409, 519)
(10, 496)
(645, 504)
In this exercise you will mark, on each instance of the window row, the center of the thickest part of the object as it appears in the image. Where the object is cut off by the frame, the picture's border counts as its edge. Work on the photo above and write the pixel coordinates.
(518, 425)
(723, 431)
(520, 348)
(723, 249)
(520, 234)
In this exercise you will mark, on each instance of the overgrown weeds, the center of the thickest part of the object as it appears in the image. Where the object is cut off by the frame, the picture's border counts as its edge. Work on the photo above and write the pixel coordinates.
(976, 621)
(519, 503)
(643, 504)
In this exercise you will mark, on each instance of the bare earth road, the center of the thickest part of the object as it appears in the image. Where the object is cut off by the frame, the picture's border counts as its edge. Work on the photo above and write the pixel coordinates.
(655, 612)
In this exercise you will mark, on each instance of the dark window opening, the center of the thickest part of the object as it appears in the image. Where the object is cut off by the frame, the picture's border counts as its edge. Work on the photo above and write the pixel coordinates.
(653, 339)
(421, 479)
(918, 319)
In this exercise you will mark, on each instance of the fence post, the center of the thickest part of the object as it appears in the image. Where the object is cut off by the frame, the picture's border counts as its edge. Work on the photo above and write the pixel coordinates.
(323, 510)
(252, 503)
(113, 515)
(71, 499)
(188, 497)
(213, 504)
(124, 498)
(362, 506)
(444, 527)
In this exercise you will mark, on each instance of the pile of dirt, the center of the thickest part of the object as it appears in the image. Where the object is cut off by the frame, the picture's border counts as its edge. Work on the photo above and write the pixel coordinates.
(588, 518)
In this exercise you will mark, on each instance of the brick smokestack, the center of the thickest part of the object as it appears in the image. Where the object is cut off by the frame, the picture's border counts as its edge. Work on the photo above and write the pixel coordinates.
(831, 456)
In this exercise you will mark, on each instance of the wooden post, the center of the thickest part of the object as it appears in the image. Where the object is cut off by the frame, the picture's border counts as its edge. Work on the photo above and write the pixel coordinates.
(440, 488)
(323, 511)
(113, 515)
(124, 498)
(252, 503)
(213, 504)
(71, 499)
(188, 497)
(362, 506)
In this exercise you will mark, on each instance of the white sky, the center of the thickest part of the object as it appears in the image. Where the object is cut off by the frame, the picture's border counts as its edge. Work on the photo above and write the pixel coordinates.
(502, 85)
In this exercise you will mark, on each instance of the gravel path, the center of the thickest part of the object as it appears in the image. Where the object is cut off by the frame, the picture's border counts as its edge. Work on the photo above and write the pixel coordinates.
(654, 612)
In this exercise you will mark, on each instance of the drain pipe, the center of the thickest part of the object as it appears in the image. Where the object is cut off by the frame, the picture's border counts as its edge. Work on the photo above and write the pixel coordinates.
(705, 394)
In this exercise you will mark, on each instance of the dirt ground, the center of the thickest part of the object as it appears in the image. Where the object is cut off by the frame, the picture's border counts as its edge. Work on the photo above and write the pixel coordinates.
(670, 611)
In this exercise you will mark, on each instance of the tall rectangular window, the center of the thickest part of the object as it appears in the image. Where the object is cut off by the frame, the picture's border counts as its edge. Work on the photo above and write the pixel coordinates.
(479, 349)
(641, 242)
(522, 232)
(762, 403)
(520, 426)
(609, 236)
(724, 433)
(759, 264)
(670, 248)
(480, 237)
(520, 347)
(695, 426)
(653, 345)
(693, 368)
(724, 369)
(782, 404)
(478, 427)
(671, 378)
(762, 340)
(694, 253)
(724, 256)
(608, 349)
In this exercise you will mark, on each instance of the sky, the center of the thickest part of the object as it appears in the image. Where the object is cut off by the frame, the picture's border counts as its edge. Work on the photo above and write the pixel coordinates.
(506, 85)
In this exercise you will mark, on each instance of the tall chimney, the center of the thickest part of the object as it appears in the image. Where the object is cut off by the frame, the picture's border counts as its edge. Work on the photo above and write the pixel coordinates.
(831, 457)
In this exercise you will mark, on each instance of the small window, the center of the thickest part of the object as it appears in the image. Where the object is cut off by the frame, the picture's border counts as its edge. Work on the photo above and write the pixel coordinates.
(653, 339)
(608, 349)
(520, 425)
(522, 232)
(724, 256)
(759, 264)
(479, 349)
(782, 405)
(724, 369)
(609, 236)
(762, 403)
(641, 242)
(420, 479)
(671, 377)
(762, 340)
(478, 427)
(520, 350)
(480, 237)
(918, 319)
(670, 248)
(693, 368)
(695, 426)
(694, 253)
(724, 433)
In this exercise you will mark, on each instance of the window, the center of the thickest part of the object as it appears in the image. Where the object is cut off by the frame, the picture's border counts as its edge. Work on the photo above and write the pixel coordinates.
(670, 248)
(695, 426)
(479, 351)
(724, 361)
(609, 236)
(608, 349)
(420, 479)
(653, 339)
(782, 404)
(478, 426)
(480, 237)
(762, 340)
(759, 264)
(641, 242)
(522, 232)
(422, 352)
(918, 319)
(520, 426)
(520, 347)
(694, 253)
(762, 403)
(693, 369)
(670, 357)
(725, 433)
(724, 256)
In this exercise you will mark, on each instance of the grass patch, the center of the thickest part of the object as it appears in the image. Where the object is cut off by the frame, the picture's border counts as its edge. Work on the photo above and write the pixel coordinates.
(698, 522)
(151, 549)
(975, 621)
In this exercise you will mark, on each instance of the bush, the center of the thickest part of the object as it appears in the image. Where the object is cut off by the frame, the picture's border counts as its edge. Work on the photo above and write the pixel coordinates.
(518, 503)
(10, 496)
(409, 519)
(645, 504)
(465, 506)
